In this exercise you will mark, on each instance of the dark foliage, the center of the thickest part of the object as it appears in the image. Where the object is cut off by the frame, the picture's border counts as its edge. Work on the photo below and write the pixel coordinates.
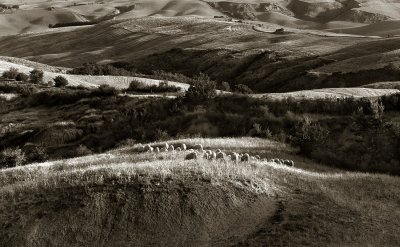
(11, 157)
(11, 74)
(60, 81)
(73, 24)
(101, 69)
(163, 87)
(22, 77)
(36, 76)
(201, 90)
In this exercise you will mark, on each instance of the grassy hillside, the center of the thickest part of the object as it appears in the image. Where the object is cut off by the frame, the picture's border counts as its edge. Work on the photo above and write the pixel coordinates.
(252, 54)
(129, 198)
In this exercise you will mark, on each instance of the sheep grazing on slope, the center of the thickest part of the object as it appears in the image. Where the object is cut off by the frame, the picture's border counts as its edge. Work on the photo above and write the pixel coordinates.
(178, 149)
(148, 148)
(183, 146)
(198, 147)
(213, 155)
(220, 155)
(235, 157)
(157, 149)
(171, 148)
(289, 163)
(165, 146)
(191, 156)
(245, 157)
(206, 156)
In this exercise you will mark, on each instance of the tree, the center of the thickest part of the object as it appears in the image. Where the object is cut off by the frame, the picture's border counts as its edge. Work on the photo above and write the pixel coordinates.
(105, 90)
(309, 135)
(11, 73)
(22, 77)
(136, 85)
(225, 86)
(36, 76)
(202, 89)
(243, 89)
(11, 158)
(60, 81)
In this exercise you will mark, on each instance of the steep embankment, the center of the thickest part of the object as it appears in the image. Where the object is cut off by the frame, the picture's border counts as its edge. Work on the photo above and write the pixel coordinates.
(128, 198)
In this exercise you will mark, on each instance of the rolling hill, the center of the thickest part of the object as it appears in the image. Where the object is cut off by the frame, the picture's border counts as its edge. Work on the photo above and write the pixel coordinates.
(125, 197)
(322, 14)
(248, 53)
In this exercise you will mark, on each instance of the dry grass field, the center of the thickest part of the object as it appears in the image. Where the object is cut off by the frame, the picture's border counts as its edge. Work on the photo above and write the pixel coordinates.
(195, 202)
(315, 84)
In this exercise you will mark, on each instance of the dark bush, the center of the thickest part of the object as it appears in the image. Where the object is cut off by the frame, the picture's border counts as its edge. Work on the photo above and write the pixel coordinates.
(22, 89)
(309, 135)
(100, 69)
(243, 89)
(202, 89)
(36, 76)
(22, 77)
(11, 157)
(11, 74)
(34, 153)
(60, 81)
(105, 90)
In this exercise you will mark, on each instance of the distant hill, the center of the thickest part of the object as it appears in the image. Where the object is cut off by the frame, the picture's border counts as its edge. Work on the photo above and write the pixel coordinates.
(319, 14)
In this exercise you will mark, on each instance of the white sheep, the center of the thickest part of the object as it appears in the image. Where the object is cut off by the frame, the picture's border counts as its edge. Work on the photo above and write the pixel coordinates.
(183, 146)
(148, 148)
(213, 155)
(289, 163)
(171, 148)
(235, 157)
(157, 149)
(198, 147)
(178, 149)
(220, 155)
(245, 157)
(166, 146)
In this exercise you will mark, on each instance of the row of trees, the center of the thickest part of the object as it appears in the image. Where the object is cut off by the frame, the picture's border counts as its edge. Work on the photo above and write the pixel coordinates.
(35, 76)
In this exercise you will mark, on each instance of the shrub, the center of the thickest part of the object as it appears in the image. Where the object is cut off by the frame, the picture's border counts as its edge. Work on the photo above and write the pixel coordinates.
(202, 89)
(22, 77)
(82, 150)
(225, 86)
(136, 85)
(11, 157)
(11, 74)
(60, 81)
(22, 89)
(105, 90)
(243, 89)
(34, 153)
(309, 135)
(36, 76)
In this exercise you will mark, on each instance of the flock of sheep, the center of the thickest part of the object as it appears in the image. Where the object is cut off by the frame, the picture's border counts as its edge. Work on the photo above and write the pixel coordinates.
(197, 151)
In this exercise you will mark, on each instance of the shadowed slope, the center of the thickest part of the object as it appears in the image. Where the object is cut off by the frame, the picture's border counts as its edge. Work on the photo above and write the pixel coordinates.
(128, 198)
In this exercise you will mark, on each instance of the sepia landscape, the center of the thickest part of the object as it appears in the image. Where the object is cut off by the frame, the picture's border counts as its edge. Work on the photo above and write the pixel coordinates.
(199, 123)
